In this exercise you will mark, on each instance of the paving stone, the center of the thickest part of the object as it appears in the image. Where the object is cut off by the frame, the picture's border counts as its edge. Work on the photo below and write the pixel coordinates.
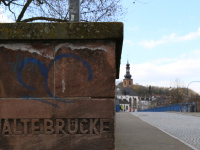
(184, 127)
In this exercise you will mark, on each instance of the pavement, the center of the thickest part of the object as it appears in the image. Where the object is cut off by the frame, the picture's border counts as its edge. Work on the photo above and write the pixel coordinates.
(139, 131)
(182, 126)
(196, 114)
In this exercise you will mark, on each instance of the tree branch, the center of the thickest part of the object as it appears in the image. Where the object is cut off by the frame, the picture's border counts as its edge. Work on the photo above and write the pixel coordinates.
(5, 2)
(53, 8)
(23, 10)
(12, 12)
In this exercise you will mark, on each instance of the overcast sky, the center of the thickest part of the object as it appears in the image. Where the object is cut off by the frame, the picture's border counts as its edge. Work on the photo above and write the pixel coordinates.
(162, 42)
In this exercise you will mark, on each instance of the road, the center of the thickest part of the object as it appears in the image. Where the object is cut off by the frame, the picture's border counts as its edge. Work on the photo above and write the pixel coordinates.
(183, 126)
(132, 133)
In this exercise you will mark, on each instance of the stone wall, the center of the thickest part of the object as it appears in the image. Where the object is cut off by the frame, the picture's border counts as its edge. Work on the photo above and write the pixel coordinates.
(57, 85)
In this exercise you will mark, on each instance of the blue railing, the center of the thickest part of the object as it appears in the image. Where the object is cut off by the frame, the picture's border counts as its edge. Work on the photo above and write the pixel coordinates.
(117, 108)
(182, 107)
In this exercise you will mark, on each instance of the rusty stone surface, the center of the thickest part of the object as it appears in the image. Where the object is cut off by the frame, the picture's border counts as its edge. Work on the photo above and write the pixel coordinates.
(41, 118)
(61, 108)
(88, 69)
(11, 56)
(81, 70)
(57, 85)
(36, 124)
(47, 32)
(58, 142)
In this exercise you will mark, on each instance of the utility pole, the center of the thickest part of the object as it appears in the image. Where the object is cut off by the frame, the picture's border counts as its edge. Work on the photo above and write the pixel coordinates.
(74, 10)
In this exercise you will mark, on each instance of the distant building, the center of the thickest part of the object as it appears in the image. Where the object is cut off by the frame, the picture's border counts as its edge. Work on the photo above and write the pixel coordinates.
(145, 103)
(126, 95)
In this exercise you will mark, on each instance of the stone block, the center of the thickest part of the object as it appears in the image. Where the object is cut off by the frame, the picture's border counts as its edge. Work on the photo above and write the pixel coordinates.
(57, 124)
(22, 69)
(57, 85)
(85, 69)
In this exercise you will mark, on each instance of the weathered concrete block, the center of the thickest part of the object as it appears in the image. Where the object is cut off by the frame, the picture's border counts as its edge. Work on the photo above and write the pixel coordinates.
(57, 85)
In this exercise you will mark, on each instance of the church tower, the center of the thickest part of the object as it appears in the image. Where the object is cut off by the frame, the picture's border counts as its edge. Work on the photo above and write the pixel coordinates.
(127, 82)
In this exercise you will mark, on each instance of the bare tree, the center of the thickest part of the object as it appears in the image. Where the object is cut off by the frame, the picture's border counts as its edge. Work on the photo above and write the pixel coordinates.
(178, 92)
(57, 10)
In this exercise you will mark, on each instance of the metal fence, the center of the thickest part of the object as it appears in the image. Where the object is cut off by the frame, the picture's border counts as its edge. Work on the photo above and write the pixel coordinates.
(182, 107)
(117, 108)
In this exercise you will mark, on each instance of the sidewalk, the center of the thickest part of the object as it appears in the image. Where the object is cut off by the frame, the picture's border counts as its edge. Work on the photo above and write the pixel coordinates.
(135, 134)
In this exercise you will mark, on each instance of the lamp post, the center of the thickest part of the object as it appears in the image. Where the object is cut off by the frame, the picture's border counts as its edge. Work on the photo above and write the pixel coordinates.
(188, 86)
(74, 10)
(170, 88)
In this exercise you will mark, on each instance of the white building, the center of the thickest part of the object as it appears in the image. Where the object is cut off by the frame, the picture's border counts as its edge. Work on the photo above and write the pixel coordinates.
(145, 103)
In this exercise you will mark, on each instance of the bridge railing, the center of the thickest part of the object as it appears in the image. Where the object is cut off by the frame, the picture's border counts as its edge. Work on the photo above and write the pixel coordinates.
(181, 107)
(117, 109)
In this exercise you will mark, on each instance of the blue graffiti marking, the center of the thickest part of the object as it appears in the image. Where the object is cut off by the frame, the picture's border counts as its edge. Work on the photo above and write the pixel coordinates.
(21, 66)
(45, 71)
(40, 100)
(14, 65)
(66, 56)
(75, 57)
(47, 102)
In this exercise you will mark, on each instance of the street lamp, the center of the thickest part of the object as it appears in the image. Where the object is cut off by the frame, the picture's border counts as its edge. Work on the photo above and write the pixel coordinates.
(188, 86)
(170, 88)
(74, 10)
